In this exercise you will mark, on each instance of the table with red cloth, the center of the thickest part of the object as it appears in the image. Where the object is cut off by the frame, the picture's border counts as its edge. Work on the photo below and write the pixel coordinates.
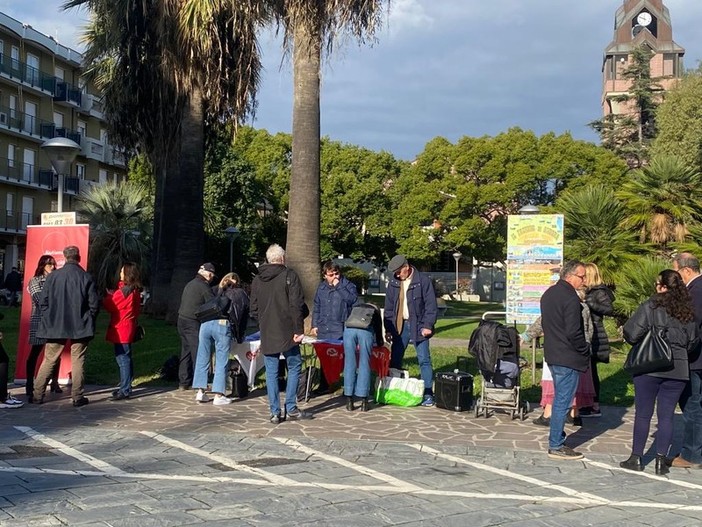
(331, 358)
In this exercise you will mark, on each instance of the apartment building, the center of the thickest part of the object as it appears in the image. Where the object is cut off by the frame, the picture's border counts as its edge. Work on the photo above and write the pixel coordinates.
(636, 23)
(42, 96)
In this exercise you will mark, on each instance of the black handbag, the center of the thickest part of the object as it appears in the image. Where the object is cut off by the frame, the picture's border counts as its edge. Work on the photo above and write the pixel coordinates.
(139, 334)
(651, 354)
(361, 317)
(216, 307)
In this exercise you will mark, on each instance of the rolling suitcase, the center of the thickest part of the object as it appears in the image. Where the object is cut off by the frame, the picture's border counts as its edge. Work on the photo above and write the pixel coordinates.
(454, 390)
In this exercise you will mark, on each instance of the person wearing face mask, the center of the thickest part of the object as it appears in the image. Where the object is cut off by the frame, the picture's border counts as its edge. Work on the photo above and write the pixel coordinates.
(410, 315)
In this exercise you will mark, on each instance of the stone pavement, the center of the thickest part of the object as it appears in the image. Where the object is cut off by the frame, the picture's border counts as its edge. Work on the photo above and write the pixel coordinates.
(162, 459)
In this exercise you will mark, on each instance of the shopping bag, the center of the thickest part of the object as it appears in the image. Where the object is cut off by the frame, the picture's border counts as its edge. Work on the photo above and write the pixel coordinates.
(399, 389)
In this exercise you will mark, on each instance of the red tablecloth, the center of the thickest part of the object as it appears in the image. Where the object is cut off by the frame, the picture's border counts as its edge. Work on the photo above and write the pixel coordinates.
(331, 358)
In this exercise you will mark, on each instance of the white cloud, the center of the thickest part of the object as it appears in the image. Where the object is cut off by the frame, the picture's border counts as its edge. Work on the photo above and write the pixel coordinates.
(407, 15)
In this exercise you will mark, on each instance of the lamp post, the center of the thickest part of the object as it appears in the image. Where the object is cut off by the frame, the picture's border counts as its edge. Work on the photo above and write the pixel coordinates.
(232, 234)
(529, 209)
(457, 256)
(61, 153)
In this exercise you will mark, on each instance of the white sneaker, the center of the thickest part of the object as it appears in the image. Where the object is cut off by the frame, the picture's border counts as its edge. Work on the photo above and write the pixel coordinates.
(201, 397)
(11, 402)
(221, 400)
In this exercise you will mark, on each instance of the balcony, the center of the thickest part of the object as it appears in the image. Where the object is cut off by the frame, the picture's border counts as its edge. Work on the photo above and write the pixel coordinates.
(25, 125)
(27, 75)
(50, 130)
(93, 149)
(93, 105)
(115, 156)
(15, 221)
(68, 93)
(22, 174)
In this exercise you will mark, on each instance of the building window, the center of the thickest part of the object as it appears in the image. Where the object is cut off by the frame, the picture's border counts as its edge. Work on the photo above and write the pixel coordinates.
(671, 65)
(102, 176)
(82, 129)
(10, 204)
(80, 171)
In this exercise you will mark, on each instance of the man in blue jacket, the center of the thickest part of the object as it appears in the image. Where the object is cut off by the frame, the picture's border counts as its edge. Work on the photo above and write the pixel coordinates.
(410, 315)
(333, 301)
(690, 456)
(565, 349)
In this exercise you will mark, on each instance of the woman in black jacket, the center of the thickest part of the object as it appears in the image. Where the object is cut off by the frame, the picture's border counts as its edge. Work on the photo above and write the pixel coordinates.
(671, 309)
(599, 298)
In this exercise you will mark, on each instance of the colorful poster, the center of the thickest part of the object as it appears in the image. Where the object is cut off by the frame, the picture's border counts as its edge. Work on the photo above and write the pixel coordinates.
(534, 259)
(46, 239)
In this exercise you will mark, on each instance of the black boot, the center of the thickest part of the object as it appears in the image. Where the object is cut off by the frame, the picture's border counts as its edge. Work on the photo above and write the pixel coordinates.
(364, 405)
(633, 463)
(662, 467)
(349, 403)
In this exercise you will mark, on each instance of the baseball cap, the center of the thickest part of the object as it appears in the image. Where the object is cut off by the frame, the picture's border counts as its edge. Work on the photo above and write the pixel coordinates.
(210, 268)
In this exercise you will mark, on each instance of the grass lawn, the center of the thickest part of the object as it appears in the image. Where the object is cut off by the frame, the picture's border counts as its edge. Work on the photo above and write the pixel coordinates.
(162, 341)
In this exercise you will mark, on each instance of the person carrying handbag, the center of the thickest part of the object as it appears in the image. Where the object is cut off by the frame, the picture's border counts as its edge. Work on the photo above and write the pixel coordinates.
(669, 310)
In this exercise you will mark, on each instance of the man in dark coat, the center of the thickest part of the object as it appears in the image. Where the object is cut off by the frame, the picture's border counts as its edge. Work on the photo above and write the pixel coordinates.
(195, 293)
(691, 400)
(565, 350)
(410, 315)
(13, 283)
(69, 305)
(277, 302)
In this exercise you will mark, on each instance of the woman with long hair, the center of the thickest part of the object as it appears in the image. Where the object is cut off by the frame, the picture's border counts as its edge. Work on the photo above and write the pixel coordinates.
(220, 330)
(46, 265)
(599, 298)
(124, 305)
(670, 308)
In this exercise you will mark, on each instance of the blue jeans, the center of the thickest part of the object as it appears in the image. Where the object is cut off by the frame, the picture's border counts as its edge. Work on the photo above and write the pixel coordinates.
(692, 417)
(353, 384)
(123, 356)
(565, 383)
(216, 331)
(294, 363)
(397, 353)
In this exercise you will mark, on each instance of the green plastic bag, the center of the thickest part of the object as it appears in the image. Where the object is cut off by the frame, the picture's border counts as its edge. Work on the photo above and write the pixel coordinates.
(400, 391)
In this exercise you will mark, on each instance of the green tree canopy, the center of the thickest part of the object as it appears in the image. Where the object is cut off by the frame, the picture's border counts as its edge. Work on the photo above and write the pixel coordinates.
(679, 121)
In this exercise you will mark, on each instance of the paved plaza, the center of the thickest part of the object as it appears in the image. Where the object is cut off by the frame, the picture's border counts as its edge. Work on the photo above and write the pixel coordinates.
(160, 459)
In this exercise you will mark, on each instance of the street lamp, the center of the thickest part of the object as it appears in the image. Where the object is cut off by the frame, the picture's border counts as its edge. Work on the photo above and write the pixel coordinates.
(529, 209)
(61, 153)
(232, 233)
(457, 256)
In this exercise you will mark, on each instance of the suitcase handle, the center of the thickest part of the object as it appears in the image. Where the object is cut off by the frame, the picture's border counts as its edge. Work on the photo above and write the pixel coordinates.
(462, 360)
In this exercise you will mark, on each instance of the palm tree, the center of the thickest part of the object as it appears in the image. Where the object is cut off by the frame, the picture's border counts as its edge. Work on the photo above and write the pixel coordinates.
(663, 200)
(166, 67)
(635, 283)
(592, 233)
(120, 216)
(310, 28)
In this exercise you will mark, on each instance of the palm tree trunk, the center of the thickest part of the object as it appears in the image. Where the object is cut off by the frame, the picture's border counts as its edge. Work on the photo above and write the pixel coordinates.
(165, 232)
(302, 244)
(186, 211)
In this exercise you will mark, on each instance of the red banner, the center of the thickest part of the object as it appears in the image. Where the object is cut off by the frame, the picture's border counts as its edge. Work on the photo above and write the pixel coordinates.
(41, 240)
(331, 358)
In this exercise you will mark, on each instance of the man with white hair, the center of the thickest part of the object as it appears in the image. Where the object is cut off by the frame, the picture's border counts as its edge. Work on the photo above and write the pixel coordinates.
(195, 293)
(277, 302)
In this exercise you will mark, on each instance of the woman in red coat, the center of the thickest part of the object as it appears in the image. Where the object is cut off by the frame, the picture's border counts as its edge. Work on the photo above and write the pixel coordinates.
(124, 304)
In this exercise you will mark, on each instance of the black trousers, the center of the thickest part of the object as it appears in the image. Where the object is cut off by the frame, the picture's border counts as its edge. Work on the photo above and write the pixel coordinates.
(4, 365)
(189, 331)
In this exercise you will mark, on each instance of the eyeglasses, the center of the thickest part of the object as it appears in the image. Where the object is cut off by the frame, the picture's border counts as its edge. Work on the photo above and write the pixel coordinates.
(581, 276)
(658, 284)
(332, 274)
(52, 264)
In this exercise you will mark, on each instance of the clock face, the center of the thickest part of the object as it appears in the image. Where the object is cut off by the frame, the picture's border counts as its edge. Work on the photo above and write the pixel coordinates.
(644, 18)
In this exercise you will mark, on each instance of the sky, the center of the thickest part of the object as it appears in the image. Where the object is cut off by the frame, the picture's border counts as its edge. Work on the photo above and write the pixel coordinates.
(446, 68)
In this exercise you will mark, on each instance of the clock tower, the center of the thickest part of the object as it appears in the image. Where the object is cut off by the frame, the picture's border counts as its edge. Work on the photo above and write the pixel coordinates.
(636, 23)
